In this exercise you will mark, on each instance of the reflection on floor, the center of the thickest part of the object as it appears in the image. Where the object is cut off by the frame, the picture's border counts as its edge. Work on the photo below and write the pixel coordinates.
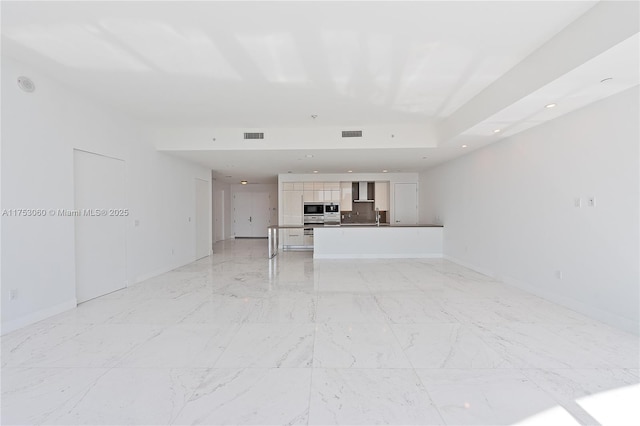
(238, 339)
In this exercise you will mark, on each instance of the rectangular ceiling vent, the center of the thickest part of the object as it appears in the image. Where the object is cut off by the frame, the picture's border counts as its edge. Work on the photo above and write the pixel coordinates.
(352, 133)
(254, 135)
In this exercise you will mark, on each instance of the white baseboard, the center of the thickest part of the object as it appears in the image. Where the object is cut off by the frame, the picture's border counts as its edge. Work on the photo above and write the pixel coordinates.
(161, 271)
(37, 316)
(598, 314)
(378, 256)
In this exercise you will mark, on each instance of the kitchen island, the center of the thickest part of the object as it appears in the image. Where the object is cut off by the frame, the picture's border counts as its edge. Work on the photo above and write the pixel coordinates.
(377, 242)
(358, 241)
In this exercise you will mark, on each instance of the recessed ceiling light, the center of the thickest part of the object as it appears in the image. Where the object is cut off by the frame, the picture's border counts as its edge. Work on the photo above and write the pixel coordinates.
(550, 105)
(464, 146)
(497, 131)
(243, 182)
(349, 171)
(309, 155)
(228, 176)
(315, 171)
(385, 171)
(424, 158)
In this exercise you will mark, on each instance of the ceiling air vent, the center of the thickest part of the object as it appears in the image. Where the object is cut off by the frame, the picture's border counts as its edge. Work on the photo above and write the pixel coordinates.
(352, 133)
(254, 135)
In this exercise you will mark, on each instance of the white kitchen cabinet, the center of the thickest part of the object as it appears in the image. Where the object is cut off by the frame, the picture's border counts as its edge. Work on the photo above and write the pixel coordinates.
(292, 186)
(293, 237)
(318, 189)
(292, 207)
(307, 240)
(309, 195)
(381, 196)
(346, 196)
(331, 195)
(332, 186)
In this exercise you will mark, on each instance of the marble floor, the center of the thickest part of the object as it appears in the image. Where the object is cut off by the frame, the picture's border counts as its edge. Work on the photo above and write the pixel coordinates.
(238, 339)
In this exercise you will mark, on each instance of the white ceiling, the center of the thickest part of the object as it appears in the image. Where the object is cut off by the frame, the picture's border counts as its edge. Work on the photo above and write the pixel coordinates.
(229, 67)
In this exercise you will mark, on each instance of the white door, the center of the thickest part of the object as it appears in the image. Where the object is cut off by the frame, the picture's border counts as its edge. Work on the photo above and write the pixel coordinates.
(100, 241)
(405, 206)
(202, 218)
(242, 211)
(261, 215)
(251, 214)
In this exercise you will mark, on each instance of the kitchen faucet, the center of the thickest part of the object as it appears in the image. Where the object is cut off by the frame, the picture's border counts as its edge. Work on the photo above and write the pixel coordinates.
(377, 216)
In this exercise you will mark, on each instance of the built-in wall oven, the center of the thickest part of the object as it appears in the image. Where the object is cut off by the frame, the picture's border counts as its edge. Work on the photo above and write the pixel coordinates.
(313, 215)
(331, 214)
(313, 209)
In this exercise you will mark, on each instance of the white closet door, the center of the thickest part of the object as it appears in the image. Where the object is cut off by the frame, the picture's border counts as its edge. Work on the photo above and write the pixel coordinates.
(202, 218)
(405, 206)
(261, 216)
(100, 241)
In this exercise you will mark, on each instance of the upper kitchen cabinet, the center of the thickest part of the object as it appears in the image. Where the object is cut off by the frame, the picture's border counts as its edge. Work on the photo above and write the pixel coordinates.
(293, 186)
(346, 196)
(332, 192)
(308, 194)
(381, 196)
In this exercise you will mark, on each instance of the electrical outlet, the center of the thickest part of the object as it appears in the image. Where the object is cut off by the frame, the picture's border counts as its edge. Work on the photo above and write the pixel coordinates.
(559, 274)
(591, 201)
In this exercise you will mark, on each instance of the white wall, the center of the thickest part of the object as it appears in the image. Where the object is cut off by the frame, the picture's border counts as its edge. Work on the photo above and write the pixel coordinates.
(508, 209)
(39, 132)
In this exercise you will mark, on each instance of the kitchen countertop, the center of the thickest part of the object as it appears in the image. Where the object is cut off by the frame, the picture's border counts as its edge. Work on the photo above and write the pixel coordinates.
(357, 225)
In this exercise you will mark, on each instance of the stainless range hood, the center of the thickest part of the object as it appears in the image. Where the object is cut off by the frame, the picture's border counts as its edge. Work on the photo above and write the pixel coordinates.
(362, 193)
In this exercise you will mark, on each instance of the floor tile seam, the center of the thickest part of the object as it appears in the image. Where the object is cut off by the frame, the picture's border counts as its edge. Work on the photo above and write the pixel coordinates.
(603, 361)
(230, 341)
(561, 402)
(124, 356)
(404, 352)
(426, 390)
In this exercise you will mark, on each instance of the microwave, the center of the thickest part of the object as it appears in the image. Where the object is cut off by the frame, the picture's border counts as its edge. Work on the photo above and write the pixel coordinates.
(332, 208)
(313, 208)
